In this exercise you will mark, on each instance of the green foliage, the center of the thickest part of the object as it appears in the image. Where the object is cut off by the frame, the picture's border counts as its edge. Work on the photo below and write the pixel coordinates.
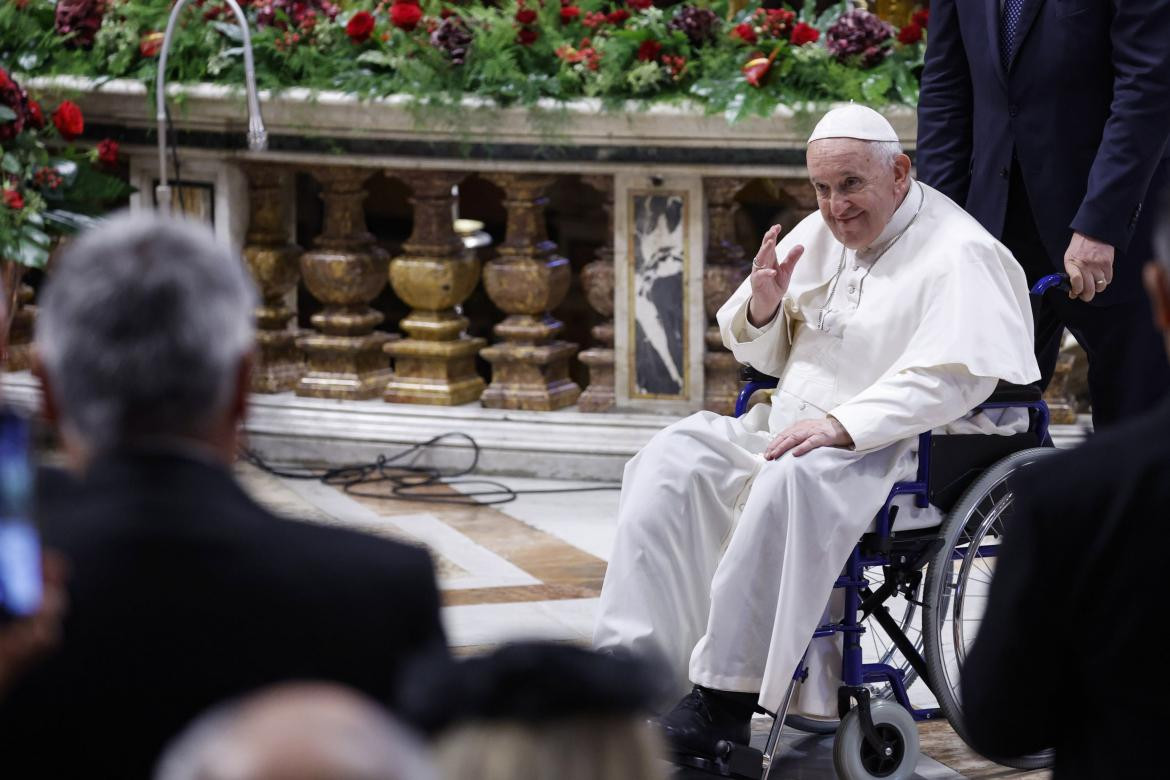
(567, 60)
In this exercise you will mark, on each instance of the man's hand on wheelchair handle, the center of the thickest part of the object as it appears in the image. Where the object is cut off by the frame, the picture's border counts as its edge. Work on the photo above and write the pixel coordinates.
(770, 278)
(806, 435)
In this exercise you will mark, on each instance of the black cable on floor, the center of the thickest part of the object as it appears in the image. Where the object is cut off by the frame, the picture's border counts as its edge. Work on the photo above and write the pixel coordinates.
(414, 483)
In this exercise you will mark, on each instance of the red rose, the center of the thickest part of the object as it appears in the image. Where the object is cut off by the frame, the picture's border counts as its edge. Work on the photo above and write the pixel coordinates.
(13, 200)
(68, 119)
(5, 82)
(150, 44)
(617, 16)
(640, 5)
(526, 16)
(804, 33)
(405, 15)
(360, 27)
(527, 36)
(108, 152)
(36, 116)
(744, 32)
(569, 13)
(649, 50)
(910, 34)
(920, 17)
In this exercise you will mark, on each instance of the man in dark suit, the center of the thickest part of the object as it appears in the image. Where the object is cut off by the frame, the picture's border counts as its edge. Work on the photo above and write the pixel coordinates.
(1065, 657)
(1048, 121)
(182, 590)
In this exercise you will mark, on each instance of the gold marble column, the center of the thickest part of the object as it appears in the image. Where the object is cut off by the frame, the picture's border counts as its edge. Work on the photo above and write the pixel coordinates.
(435, 364)
(597, 280)
(725, 267)
(20, 336)
(273, 261)
(344, 270)
(530, 367)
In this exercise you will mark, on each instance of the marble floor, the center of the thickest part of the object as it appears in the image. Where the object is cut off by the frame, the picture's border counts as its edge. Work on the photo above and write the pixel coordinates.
(533, 568)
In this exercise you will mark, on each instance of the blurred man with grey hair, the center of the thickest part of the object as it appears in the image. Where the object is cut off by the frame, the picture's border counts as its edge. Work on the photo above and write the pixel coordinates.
(184, 591)
(1064, 652)
(297, 731)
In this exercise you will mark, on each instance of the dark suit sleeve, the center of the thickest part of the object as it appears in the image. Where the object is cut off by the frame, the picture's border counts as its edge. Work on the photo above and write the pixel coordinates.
(1136, 132)
(1009, 669)
(945, 115)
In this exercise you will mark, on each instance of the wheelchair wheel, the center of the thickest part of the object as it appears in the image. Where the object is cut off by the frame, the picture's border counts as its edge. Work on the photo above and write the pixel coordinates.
(957, 583)
(878, 648)
(856, 759)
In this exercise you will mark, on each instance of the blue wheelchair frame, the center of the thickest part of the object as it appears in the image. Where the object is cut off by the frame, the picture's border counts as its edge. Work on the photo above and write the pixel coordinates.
(855, 673)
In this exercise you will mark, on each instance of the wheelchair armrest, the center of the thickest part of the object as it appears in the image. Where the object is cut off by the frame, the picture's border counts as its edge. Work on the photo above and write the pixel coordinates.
(749, 374)
(1007, 393)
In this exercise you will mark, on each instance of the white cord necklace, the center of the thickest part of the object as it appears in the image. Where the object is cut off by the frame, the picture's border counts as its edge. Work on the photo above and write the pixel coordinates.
(861, 284)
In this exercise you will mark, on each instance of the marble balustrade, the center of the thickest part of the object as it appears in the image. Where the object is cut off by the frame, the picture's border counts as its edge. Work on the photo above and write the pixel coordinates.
(658, 215)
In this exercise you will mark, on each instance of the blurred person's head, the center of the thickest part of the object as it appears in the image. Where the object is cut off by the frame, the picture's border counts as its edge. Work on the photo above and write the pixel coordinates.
(1157, 274)
(297, 731)
(541, 711)
(145, 334)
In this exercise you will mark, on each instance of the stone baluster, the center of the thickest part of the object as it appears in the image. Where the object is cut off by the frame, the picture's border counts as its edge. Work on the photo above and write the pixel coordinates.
(20, 336)
(726, 266)
(598, 280)
(344, 270)
(273, 261)
(435, 364)
(530, 367)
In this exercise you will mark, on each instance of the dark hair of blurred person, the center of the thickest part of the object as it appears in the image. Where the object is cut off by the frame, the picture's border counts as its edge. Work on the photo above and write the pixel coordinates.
(541, 711)
(1066, 656)
(183, 591)
(297, 731)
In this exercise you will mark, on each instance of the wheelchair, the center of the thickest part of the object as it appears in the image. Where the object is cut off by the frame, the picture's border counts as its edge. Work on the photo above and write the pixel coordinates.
(899, 623)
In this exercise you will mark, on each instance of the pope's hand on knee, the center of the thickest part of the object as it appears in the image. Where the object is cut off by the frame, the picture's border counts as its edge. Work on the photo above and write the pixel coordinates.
(807, 435)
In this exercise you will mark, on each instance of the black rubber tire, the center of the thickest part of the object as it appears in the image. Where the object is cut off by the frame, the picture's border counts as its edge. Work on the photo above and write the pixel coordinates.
(939, 567)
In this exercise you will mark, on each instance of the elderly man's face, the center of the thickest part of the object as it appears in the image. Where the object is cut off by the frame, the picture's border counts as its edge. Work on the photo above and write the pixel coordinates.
(857, 191)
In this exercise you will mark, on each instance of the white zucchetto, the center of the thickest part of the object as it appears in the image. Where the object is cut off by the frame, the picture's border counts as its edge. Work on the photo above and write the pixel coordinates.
(854, 121)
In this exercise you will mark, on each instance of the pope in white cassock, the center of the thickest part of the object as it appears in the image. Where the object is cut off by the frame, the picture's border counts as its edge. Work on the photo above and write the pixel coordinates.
(888, 313)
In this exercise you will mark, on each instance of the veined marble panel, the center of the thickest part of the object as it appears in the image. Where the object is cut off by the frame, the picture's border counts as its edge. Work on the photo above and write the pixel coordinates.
(658, 229)
(658, 295)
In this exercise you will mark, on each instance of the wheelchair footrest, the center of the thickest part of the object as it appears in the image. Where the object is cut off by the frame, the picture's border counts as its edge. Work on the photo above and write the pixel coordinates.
(734, 760)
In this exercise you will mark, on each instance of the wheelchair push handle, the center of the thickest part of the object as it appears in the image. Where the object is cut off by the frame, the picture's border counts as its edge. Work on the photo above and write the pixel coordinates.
(1057, 281)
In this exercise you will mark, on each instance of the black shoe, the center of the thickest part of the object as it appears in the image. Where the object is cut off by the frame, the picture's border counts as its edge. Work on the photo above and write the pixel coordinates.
(704, 718)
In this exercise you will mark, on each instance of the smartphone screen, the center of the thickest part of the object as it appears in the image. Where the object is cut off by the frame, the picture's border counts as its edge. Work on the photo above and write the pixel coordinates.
(20, 553)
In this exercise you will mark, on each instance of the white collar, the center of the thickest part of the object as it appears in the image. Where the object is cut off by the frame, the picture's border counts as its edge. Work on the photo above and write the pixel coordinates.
(898, 222)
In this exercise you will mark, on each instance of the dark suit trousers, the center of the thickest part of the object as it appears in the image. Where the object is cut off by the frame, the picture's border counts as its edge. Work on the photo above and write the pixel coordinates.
(1128, 371)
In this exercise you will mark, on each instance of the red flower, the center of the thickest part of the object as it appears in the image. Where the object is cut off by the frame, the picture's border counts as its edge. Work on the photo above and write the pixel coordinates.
(617, 16)
(910, 34)
(649, 50)
(405, 14)
(569, 13)
(68, 119)
(36, 116)
(108, 152)
(13, 200)
(804, 33)
(526, 16)
(360, 27)
(744, 32)
(150, 44)
(920, 17)
(640, 5)
(5, 81)
(593, 19)
(527, 36)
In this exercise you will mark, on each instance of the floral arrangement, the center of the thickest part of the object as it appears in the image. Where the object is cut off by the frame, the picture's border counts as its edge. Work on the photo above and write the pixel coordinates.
(46, 190)
(732, 59)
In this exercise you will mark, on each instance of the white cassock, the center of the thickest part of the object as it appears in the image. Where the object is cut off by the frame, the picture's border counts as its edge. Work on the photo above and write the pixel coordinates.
(724, 562)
